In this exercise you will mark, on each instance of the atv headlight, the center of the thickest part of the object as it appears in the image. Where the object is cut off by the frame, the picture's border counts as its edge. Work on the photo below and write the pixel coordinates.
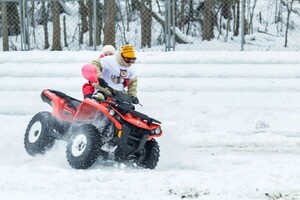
(156, 131)
(111, 112)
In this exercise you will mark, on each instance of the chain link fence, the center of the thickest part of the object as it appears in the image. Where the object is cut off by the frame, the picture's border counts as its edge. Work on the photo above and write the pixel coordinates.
(150, 25)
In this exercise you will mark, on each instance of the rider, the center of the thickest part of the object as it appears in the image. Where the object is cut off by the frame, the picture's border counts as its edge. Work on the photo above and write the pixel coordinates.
(89, 88)
(107, 50)
(117, 72)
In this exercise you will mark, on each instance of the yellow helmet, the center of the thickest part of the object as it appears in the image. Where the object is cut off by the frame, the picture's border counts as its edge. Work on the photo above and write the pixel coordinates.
(127, 51)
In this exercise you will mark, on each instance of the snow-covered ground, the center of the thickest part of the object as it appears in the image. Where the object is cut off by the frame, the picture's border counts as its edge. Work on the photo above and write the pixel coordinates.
(231, 124)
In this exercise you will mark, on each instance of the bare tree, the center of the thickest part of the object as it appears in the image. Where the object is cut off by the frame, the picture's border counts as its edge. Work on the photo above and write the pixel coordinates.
(182, 15)
(278, 16)
(99, 23)
(33, 20)
(251, 17)
(90, 21)
(146, 22)
(56, 45)
(190, 18)
(110, 23)
(5, 26)
(237, 18)
(226, 9)
(83, 17)
(135, 5)
(289, 6)
(65, 32)
(227, 14)
(208, 21)
(128, 14)
(276, 11)
(13, 18)
(45, 22)
(186, 14)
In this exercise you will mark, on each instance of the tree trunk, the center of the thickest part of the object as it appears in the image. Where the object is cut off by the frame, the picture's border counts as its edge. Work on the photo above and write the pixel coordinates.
(5, 27)
(65, 32)
(226, 9)
(280, 16)
(13, 18)
(208, 21)
(45, 22)
(158, 7)
(227, 14)
(146, 22)
(90, 21)
(110, 23)
(135, 5)
(251, 17)
(84, 23)
(289, 11)
(276, 12)
(33, 21)
(190, 18)
(237, 23)
(99, 23)
(182, 15)
(56, 44)
(128, 15)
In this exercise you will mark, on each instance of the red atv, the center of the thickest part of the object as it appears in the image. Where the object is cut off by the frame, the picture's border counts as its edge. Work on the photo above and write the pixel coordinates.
(110, 128)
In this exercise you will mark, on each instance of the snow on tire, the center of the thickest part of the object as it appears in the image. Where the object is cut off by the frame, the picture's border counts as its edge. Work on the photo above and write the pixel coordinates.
(83, 147)
(151, 156)
(37, 139)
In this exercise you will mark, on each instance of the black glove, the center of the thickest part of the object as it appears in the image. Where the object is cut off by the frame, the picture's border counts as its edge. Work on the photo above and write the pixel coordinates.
(102, 82)
(135, 100)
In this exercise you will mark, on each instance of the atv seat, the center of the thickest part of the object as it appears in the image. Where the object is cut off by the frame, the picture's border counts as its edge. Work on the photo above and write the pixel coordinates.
(71, 102)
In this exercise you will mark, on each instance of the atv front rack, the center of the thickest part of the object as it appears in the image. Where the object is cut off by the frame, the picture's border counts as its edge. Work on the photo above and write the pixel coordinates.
(138, 114)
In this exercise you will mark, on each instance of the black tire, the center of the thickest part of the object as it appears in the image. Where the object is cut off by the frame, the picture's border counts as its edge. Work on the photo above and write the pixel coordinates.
(151, 155)
(83, 147)
(37, 139)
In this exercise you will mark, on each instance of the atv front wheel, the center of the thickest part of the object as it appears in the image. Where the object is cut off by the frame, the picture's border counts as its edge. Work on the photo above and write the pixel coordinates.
(37, 139)
(151, 155)
(83, 147)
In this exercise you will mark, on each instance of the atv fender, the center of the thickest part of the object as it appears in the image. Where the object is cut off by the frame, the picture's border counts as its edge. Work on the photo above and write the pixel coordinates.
(88, 109)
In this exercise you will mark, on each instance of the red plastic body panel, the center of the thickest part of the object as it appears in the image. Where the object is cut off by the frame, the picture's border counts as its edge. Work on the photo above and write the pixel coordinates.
(60, 109)
(89, 108)
(140, 123)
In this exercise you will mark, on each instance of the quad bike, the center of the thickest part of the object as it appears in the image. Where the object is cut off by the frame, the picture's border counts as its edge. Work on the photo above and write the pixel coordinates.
(110, 128)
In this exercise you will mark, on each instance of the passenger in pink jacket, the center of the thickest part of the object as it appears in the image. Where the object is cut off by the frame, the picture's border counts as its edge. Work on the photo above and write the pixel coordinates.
(89, 88)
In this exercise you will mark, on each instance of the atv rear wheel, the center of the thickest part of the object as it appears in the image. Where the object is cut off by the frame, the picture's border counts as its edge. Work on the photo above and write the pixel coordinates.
(83, 147)
(151, 155)
(37, 139)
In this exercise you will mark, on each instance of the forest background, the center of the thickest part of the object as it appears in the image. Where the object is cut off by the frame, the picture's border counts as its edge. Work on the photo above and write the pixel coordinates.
(150, 24)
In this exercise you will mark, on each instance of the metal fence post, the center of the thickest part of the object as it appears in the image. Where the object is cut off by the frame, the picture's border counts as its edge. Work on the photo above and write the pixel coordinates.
(166, 24)
(173, 23)
(27, 25)
(169, 25)
(94, 23)
(24, 28)
(242, 25)
(21, 24)
(25, 33)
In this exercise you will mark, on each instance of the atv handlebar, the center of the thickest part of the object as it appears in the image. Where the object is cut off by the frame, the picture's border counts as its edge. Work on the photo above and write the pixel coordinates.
(123, 102)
